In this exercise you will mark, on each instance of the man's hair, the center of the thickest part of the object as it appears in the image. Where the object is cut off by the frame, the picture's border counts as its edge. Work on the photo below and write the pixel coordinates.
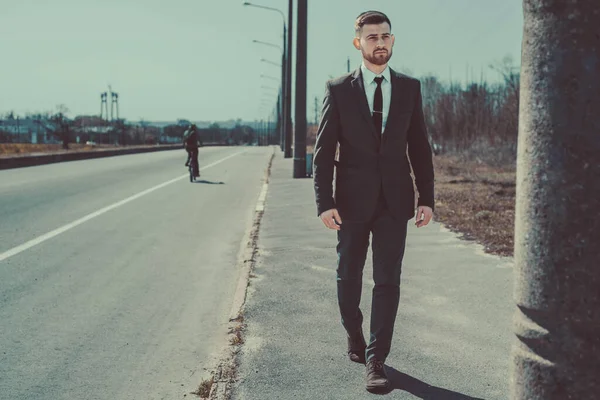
(370, 18)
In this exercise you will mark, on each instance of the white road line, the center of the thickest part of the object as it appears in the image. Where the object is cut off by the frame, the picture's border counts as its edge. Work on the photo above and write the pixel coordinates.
(40, 239)
(260, 206)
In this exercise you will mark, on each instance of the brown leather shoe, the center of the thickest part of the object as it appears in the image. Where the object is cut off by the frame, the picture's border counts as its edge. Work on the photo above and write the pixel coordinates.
(377, 380)
(357, 348)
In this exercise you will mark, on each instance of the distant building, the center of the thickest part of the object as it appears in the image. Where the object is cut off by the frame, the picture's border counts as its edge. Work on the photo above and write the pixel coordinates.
(28, 130)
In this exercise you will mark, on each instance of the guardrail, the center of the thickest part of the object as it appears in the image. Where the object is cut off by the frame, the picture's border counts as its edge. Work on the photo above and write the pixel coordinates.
(41, 159)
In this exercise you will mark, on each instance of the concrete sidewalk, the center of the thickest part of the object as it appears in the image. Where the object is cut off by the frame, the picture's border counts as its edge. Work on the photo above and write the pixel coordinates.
(453, 331)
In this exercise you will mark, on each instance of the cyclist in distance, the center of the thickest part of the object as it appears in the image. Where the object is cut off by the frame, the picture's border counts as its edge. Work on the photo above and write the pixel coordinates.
(190, 142)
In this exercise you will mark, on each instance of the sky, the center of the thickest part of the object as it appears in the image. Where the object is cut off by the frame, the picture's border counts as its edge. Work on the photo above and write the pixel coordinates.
(196, 59)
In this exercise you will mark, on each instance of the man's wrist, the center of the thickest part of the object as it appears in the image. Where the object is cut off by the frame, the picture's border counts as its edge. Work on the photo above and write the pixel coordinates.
(324, 208)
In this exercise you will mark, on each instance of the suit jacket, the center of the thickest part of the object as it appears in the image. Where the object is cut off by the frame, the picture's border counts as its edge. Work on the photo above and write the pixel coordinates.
(371, 164)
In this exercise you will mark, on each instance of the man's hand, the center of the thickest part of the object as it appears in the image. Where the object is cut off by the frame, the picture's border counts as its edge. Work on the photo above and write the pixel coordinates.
(424, 215)
(331, 219)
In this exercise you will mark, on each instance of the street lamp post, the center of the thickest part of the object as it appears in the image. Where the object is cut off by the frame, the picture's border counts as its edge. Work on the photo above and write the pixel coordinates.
(280, 104)
(278, 110)
(268, 44)
(269, 77)
(282, 135)
(270, 62)
(285, 73)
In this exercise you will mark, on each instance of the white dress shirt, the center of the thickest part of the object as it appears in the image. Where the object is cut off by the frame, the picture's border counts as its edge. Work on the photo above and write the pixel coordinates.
(370, 87)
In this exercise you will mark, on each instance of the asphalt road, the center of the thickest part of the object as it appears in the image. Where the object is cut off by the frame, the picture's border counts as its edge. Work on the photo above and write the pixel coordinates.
(117, 274)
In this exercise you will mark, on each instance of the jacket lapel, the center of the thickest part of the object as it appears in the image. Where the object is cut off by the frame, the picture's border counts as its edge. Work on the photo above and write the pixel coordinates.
(361, 98)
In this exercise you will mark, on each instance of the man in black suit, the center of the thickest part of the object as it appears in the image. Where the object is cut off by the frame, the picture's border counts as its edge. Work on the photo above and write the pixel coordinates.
(375, 115)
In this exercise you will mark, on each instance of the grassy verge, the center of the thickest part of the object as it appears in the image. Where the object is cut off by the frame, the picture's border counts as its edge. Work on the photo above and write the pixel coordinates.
(23, 149)
(477, 201)
(203, 390)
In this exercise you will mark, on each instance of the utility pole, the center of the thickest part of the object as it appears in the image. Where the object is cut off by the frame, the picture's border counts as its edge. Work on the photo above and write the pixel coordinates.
(285, 108)
(557, 315)
(348, 64)
(300, 103)
(19, 131)
(103, 106)
(114, 104)
(279, 126)
(115, 101)
(111, 102)
(283, 90)
(316, 110)
(288, 83)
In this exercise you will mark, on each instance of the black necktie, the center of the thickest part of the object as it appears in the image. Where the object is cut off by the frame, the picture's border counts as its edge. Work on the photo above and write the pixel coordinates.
(378, 106)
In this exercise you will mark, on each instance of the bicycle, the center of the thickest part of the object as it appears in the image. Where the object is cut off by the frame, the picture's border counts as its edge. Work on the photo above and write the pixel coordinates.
(191, 170)
(192, 165)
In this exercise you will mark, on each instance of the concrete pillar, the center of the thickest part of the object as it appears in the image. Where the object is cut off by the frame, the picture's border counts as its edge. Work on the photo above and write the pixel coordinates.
(556, 355)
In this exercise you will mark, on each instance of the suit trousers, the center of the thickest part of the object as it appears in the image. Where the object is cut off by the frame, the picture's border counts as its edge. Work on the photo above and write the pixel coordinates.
(388, 244)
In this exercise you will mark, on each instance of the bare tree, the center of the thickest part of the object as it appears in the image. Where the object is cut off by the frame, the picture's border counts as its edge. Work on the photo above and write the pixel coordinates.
(62, 125)
(478, 120)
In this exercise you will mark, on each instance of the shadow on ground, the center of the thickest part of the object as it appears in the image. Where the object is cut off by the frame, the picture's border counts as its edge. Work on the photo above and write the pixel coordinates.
(420, 389)
(209, 182)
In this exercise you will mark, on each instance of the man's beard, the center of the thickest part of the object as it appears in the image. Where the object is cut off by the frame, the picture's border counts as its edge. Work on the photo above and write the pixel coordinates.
(378, 59)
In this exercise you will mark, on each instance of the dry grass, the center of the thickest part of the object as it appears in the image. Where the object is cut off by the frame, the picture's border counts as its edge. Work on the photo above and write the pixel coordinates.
(203, 390)
(236, 334)
(230, 371)
(474, 199)
(27, 148)
(225, 373)
(478, 201)
(23, 149)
